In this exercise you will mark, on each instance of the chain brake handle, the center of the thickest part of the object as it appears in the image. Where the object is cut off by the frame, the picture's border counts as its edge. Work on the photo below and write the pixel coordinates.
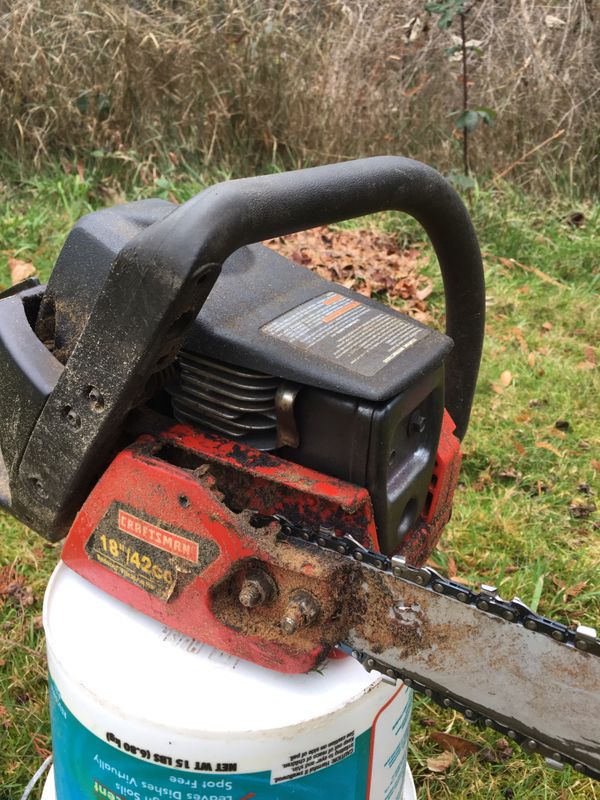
(161, 278)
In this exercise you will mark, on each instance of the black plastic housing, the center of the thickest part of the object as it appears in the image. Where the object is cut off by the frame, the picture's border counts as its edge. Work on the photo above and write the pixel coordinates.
(117, 328)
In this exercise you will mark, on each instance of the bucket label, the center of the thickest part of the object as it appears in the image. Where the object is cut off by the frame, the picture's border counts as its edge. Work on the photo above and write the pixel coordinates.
(148, 553)
(86, 766)
(347, 332)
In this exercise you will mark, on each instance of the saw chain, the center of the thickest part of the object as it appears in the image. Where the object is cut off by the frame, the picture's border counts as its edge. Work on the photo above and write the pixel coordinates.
(485, 600)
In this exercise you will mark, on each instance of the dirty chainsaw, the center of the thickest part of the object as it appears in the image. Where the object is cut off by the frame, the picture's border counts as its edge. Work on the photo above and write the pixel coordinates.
(264, 461)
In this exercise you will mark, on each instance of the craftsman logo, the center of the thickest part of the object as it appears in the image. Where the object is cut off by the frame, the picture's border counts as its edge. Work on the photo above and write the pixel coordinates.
(151, 534)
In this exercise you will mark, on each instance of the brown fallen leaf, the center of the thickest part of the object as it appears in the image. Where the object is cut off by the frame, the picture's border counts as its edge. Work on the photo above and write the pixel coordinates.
(548, 446)
(369, 262)
(459, 745)
(506, 378)
(14, 587)
(42, 746)
(581, 510)
(569, 591)
(590, 355)
(440, 763)
(595, 464)
(20, 270)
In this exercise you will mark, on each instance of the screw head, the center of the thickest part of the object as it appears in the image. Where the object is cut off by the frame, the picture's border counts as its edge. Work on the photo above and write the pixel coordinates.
(530, 624)
(96, 399)
(462, 596)
(417, 423)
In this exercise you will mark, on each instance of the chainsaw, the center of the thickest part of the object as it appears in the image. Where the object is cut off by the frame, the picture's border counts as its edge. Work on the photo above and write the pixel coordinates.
(264, 461)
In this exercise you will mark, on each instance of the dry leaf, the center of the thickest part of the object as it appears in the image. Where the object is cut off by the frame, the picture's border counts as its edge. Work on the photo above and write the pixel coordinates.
(20, 270)
(366, 261)
(581, 510)
(590, 355)
(596, 464)
(531, 359)
(518, 334)
(506, 378)
(461, 746)
(576, 589)
(548, 446)
(440, 763)
(452, 570)
(547, 326)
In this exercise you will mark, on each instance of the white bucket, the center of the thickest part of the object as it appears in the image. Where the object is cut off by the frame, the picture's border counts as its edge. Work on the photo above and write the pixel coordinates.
(140, 712)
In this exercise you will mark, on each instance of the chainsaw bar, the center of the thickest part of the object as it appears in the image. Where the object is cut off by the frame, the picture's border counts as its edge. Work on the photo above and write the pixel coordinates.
(497, 662)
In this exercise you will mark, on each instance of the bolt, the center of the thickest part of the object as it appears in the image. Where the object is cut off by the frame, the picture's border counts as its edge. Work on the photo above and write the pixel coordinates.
(257, 589)
(462, 596)
(530, 625)
(509, 616)
(483, 605)
(38, 487)
(302, 610)
(416, 423)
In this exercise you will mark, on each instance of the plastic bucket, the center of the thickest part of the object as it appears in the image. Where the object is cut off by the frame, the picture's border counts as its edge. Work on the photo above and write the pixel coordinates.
(141, 712)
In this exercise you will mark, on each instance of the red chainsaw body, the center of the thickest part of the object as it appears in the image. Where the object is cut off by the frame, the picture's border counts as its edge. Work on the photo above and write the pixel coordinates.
(177, 523)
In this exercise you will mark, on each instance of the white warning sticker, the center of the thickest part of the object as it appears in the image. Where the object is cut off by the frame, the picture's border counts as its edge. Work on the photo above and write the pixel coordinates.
(346, 331)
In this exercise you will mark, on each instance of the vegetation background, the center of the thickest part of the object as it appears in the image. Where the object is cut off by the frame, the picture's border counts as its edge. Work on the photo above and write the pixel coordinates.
(103, 101)
(243, 83)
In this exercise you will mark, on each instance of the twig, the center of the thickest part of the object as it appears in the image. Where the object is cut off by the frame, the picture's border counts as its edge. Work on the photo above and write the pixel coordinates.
(526, 155)
(512, 262)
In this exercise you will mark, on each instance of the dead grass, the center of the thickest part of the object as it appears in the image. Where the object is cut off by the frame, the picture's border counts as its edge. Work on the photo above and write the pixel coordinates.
(244, 83)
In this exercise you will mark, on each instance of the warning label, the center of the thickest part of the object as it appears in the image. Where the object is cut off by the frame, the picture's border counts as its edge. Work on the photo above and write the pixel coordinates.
(309, 761)
(347, 332)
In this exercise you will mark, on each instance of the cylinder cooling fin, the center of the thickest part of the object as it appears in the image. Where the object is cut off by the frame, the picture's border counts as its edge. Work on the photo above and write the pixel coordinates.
(234, 401)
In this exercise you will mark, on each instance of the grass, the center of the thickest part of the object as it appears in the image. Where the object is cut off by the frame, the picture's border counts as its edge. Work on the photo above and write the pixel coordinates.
(519, 520)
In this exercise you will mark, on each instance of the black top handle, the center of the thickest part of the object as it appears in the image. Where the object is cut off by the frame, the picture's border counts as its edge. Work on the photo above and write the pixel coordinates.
(159, 281)
(209, 227)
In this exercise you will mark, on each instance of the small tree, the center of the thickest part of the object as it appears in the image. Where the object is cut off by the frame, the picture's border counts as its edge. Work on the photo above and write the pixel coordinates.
(467, 119)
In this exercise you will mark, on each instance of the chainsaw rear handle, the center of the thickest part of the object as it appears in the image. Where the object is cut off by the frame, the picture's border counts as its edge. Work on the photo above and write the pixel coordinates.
(160, 279)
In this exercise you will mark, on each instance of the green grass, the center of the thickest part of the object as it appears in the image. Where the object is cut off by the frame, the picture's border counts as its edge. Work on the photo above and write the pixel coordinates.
(513, 521)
